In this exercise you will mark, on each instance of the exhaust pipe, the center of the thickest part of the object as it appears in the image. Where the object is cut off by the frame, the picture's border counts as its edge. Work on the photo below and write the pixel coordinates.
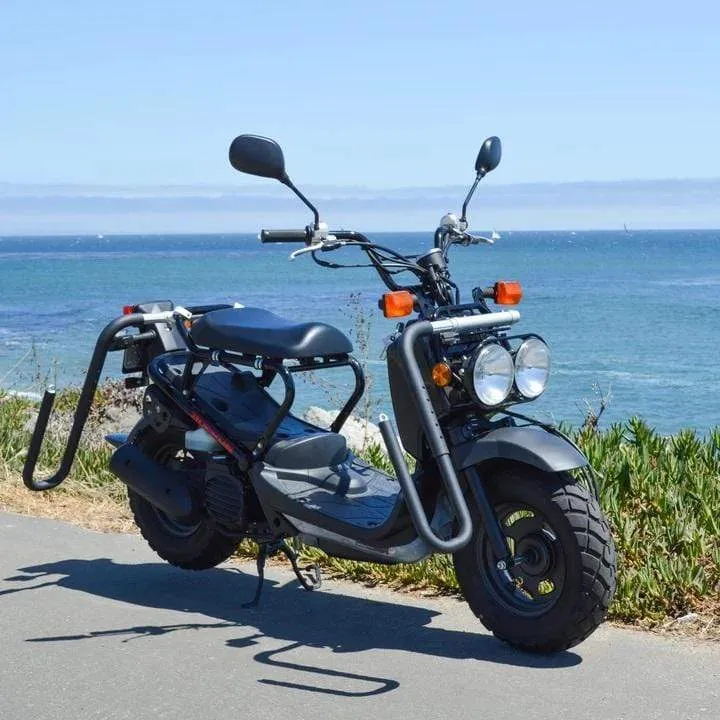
(163, 488)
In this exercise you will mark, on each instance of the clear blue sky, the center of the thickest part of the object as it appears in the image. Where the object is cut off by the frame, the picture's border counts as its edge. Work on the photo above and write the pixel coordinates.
(383, 94)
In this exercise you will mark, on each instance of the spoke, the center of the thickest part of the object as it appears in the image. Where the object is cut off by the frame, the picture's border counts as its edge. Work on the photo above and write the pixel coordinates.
(530, 585)
(524, 527)
(556, 574)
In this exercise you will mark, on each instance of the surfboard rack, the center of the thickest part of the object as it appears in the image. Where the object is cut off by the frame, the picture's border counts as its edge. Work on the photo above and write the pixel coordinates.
(107, 342)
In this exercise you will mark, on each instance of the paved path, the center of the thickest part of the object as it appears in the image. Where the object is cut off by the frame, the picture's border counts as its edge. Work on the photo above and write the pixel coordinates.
(95, 626)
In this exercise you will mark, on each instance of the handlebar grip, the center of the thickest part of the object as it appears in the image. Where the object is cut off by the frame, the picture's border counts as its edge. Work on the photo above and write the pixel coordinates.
(279, 236)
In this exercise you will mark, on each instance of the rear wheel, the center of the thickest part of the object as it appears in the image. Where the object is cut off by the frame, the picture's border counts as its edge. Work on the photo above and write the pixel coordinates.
(197, 545)
(560, 584)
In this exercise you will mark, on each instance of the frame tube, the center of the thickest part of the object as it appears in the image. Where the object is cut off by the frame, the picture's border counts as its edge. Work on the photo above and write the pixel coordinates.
(436, 440)
(103, 345)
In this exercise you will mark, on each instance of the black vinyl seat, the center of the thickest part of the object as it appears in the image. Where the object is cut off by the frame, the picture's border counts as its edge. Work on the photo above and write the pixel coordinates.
(255, 331)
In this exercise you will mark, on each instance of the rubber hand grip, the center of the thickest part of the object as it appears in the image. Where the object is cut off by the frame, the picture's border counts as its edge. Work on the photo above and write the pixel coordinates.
(277, 236)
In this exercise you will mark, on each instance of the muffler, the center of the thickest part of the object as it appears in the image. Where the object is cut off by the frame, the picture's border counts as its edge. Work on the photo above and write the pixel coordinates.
(166, 489)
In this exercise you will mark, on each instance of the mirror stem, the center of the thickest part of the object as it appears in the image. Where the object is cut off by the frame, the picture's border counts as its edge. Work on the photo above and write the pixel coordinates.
(286, 181)
(478, 178)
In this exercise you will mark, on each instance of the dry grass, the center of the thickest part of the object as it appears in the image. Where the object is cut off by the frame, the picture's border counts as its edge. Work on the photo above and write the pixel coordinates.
(91, 508)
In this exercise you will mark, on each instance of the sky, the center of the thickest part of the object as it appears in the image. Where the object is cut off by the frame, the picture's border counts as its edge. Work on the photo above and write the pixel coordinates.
(370, 94)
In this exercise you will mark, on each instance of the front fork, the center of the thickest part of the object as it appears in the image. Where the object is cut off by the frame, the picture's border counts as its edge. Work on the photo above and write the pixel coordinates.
(489, 519)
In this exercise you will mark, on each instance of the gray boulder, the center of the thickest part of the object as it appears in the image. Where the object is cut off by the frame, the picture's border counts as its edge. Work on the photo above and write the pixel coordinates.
(358, 433)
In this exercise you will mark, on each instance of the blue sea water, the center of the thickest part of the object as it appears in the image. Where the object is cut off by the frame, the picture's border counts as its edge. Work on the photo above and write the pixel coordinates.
(634, 314)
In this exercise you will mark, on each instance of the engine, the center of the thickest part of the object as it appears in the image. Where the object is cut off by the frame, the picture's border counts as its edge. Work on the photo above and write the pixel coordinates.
(225, 496)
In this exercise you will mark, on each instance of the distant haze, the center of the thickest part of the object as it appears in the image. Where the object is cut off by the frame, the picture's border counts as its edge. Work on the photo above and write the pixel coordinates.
(75, 209)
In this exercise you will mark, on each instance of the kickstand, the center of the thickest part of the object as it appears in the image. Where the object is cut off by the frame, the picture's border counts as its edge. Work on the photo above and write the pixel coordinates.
(309, 576)
(263, 553)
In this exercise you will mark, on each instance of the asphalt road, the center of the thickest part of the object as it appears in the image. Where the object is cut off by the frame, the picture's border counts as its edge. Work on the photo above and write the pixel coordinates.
(95, 626)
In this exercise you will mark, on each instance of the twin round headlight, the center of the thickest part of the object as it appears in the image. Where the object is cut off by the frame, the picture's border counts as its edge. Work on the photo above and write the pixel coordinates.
(494, 371)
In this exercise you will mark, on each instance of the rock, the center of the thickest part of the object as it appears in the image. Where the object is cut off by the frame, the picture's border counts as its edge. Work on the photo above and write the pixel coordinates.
(358, 433)
(104, 420)
(687, 619)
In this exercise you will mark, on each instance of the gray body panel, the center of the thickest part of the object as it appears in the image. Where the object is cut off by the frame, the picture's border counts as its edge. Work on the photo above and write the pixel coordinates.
(347, 497)
(530, 445)
(340, 546)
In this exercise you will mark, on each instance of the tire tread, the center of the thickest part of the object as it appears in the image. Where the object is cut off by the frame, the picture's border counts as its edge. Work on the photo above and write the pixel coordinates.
(597, 557)
(208, 548)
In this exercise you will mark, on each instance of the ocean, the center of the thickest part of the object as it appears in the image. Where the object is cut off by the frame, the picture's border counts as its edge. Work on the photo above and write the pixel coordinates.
(633, 315)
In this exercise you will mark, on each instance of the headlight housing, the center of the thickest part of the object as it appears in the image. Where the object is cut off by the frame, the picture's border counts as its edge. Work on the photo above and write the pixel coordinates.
(532, 368)
(491, 373)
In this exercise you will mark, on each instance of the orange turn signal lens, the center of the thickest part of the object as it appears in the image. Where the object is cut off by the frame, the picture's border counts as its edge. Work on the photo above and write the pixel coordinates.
(442, 374)
(128, 309)
(508, 292)
(397, 304)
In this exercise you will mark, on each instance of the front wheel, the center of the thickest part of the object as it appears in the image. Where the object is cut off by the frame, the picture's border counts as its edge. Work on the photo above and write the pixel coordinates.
(562, 579)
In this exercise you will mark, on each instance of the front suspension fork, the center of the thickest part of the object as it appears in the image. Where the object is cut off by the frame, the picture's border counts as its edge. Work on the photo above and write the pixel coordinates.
(489, 519)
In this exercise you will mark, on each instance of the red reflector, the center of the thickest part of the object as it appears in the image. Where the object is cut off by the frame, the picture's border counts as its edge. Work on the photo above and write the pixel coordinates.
(128, 309)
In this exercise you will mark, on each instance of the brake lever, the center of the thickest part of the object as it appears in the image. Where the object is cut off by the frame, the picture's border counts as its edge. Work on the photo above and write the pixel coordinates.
(477, 239)
(309, 248)
(325, 245)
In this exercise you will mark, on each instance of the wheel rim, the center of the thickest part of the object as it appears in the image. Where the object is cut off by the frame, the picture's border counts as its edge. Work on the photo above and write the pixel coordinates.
(536, 577)
(175, 457)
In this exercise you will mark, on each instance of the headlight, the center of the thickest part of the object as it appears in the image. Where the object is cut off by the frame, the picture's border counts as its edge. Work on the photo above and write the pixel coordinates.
(492, 374)
(532, 368)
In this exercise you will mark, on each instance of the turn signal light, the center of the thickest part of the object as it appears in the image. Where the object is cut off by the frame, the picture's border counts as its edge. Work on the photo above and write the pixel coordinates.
(508, 292)
(397, 304)
(442, 374)
(128, 309)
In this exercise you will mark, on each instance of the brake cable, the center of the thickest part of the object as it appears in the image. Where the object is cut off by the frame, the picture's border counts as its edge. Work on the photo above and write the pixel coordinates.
(377, 261)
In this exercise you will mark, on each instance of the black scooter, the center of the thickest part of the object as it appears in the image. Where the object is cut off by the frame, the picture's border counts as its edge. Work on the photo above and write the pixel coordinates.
(216, 459)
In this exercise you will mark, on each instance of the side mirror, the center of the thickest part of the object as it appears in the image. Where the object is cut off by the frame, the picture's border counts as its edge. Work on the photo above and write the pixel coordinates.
(258, 155)
(489, 156)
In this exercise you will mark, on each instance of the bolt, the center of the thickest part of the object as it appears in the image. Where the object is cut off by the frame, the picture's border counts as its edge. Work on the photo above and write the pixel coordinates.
(502, 565)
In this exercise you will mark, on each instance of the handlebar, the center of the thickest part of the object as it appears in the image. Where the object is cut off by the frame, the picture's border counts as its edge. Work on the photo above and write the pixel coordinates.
(281, 236)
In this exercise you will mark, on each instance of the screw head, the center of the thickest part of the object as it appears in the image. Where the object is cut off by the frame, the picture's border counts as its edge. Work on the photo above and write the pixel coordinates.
(502, 565)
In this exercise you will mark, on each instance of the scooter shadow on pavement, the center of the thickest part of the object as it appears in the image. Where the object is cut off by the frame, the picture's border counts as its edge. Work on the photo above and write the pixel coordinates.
(341, 623)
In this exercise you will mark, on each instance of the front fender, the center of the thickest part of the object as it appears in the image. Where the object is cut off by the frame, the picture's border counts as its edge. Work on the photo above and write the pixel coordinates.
(530, 445)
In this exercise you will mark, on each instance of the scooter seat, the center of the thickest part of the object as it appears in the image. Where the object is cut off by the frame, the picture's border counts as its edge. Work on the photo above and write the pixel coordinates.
(255, 331)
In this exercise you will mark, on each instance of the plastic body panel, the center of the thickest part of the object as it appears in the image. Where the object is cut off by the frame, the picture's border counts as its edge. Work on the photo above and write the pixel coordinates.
(351, 499)
(389, 551)
(242, 409)
(530, 445)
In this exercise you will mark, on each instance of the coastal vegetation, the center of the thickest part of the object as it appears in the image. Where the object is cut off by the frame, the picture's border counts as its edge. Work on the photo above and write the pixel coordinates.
(661, 495)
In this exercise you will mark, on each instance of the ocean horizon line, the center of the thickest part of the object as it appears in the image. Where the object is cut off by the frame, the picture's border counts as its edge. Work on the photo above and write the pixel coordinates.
(581, 206)
(253, 234)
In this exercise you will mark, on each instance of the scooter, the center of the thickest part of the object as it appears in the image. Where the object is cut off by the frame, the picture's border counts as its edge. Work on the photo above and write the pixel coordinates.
(215, 459)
